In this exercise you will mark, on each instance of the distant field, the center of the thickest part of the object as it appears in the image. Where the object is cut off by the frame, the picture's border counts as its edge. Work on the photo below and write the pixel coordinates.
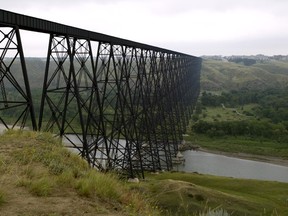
(269, 146)
(227, 114)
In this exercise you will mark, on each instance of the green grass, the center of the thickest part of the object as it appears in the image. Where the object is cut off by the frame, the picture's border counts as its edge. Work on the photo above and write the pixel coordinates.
(235, 144)
(102, 185)
(213, 114)
(225, 76)
(34, 169)
(249, 145)
(44, 169)
(42, 187)
(2, 198)
(180, 193)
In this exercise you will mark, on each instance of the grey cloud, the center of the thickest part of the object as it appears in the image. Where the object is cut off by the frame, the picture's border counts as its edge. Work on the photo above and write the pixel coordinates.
(180, 6)
(159, 6)
(164, 10)
(266, 46)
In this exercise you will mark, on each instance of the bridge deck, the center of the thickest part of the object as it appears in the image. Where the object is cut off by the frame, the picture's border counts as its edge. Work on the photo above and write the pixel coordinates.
(40, 25)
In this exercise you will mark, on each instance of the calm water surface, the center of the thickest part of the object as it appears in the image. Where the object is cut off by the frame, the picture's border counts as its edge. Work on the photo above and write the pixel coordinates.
(220, 165)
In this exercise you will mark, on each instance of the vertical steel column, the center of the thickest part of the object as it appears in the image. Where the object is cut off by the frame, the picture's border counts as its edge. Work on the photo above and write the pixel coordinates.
(131, 98)
(67, 89)
(165, 111)
(56, 86)
(98, 147)
(116, 146)
(16, 104)
(146, 124)
(106, 145)
(45, 87)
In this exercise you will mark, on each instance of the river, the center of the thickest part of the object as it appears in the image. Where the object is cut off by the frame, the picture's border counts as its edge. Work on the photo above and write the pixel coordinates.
(220, 165)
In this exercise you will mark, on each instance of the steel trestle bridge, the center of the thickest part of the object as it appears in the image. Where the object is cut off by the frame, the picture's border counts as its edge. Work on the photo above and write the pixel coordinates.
(123, 105)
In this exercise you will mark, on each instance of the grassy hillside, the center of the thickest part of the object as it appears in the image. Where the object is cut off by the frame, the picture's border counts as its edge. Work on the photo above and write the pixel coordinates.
(215, 75)
(242, 98)
(225, 76)
(39, 177)
(183, 193)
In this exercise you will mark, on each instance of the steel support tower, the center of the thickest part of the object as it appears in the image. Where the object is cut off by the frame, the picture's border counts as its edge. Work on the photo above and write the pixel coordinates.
(122, 105)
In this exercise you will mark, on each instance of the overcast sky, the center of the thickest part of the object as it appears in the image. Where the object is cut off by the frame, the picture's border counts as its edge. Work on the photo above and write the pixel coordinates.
(202, 27)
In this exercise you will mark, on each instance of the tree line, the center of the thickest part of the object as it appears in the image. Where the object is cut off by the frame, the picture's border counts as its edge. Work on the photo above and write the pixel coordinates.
(269, 115)
(251, 128)
(272, 103)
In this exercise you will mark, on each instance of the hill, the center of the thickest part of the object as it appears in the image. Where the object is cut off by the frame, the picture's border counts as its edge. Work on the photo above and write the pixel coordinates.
(39, 177)
(243, 106)
(224, 75)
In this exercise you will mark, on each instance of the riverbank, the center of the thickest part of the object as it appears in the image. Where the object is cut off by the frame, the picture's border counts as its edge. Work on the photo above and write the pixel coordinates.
(264, 150)
(267, 159)
(3, 128)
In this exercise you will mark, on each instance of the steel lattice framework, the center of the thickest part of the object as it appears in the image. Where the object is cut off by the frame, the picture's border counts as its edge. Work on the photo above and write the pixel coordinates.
(123, 105)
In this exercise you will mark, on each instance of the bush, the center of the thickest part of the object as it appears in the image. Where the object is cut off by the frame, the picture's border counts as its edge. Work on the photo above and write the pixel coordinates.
(2, 198)
(42, 187)
(98, 184)
(195, 117)
(241, 128)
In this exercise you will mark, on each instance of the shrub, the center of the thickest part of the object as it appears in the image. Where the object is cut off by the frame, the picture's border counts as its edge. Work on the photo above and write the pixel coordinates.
(41, 187)
(66, 179)
(195, 117)
(2, 197)
(3, 165)
(98, 184)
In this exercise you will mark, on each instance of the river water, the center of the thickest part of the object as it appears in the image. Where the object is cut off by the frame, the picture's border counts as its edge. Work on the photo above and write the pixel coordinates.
(220, 165)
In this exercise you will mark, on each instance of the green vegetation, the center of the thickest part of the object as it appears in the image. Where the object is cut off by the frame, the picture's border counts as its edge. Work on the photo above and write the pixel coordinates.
(272, 103)
(219, 76)
(40, 177)
(251, 128)
(243, 108)
(2, 198)
(183, 193)
(249, 121)
(36, 169)
(242, 144)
